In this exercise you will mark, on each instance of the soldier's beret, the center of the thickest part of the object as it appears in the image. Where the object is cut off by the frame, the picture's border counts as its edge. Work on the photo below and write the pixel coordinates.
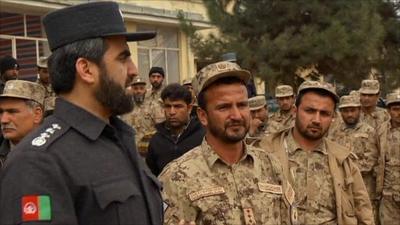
(283, 91)
(8, 62)
(215, 71)
(157, 69)
(25, 90)
(85, 21)
(349, 101)
(369, 87)
(392, 98)
(257, 102)
(310, 84)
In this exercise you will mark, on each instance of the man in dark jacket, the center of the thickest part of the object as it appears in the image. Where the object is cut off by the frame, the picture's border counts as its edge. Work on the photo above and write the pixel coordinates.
(178, 133)
(81, 165)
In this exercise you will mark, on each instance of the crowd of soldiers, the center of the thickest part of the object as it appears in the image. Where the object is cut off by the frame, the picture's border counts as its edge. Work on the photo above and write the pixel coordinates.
(90, 144)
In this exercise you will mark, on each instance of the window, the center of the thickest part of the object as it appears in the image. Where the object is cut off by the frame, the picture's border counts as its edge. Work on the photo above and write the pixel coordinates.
(163, 51)
(21, 37)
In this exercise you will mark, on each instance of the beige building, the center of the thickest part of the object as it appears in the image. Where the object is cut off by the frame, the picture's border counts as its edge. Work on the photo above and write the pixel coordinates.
(23, 36)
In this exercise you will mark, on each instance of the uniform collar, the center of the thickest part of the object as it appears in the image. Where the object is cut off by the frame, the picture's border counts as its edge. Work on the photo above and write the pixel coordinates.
(83, 121)
(212, 157)
(292, 146)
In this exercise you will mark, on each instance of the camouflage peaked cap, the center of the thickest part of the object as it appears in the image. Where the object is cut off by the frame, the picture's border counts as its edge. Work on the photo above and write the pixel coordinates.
(349, 101)
(257, 102)
(392, 98)
(25, 90)
(138, 80)
(369, 87)
(215, 71)
(309, 84)
(283, 91)
(187, 81)
(42, 62)
(355, 93)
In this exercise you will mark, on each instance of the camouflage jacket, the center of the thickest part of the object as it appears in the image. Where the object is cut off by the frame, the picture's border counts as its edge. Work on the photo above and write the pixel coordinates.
(201, 187)
(376, 118)
(50, 96)
(388, 173)
(351, 198)
(154, 105)
(141, 119)
(278, 121)
(361, 140)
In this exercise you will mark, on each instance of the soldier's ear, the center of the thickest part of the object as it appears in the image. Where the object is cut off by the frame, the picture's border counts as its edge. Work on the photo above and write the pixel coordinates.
(38, 115)
(86, 70)
(202, 115)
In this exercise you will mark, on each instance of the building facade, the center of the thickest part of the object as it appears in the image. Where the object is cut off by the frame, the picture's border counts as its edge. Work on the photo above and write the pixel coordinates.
(22, 34)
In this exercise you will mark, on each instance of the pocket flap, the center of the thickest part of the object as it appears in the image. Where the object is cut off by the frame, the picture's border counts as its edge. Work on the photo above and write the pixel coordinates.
(114, 191)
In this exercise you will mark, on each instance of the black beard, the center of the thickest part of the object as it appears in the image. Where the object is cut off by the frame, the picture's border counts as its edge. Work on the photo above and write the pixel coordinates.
(113, 96)
(224, 136)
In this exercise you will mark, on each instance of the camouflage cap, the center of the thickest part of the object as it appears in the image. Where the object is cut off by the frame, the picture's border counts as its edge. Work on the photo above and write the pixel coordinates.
(392, 98)
(369, 87)
(257, 102)
(138, 80)
(283, 91)
(25, 90)
(187, 81)
(215, 71)
(309, 84)
(349, 101)
(42, 62)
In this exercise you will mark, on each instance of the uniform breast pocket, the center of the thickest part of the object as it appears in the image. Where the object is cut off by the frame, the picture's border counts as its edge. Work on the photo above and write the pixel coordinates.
(212, 203)
(269, 202)
(118, 201)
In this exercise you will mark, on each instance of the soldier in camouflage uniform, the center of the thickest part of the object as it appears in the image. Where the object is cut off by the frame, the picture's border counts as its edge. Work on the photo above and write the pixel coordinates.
(21, 111)
(259, 118)
(284, 117)
(361, 139)
(225, 181)
(388, 177)
(140, 118)
(328, 184)
(188, 84)
(44, 80)
(153, 95)
(369, 94)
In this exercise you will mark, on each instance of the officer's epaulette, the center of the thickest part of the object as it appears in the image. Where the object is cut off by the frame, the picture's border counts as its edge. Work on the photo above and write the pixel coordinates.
(48, 133)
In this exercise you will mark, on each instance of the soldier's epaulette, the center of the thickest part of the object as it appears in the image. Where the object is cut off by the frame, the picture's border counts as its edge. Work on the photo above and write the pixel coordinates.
(48, 134)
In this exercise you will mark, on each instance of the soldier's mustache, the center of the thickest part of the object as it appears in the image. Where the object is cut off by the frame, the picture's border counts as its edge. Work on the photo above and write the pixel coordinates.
(8, 126)
(234, 123)
(315, 127)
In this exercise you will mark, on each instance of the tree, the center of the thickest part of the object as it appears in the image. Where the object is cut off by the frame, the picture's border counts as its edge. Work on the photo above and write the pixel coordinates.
(273, 38)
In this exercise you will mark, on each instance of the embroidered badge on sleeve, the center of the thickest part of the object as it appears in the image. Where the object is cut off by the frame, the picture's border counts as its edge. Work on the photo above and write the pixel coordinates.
(36, 208)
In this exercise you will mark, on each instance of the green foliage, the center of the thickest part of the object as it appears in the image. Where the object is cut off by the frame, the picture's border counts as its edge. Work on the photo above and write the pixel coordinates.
(273, 38)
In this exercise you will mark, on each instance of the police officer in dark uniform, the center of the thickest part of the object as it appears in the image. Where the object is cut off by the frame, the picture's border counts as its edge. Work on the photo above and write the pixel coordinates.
(81, 166)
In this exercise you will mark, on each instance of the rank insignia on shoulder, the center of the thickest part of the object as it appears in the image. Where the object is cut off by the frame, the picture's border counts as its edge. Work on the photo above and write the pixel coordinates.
(36, 208)
(42, 139)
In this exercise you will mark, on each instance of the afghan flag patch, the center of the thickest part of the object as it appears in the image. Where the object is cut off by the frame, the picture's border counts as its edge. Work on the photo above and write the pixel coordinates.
(36, 208)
